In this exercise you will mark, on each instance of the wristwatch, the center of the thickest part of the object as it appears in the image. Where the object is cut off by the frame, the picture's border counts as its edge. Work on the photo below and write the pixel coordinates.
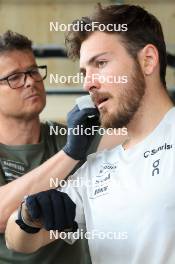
(23, 225)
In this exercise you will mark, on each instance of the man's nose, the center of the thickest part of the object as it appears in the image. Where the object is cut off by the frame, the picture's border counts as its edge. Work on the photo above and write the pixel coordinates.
(91, 81)
(29, 81)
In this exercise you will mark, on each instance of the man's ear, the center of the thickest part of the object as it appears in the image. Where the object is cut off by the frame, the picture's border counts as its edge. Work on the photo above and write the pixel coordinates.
(148, 58)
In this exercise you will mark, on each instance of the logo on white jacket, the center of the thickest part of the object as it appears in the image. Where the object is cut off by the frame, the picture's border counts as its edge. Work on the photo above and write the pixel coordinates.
(103, 178)
(164, 147)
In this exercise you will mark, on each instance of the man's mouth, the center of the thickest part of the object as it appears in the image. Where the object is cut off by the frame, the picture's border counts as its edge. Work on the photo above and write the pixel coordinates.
(100, 101)
(31, 96)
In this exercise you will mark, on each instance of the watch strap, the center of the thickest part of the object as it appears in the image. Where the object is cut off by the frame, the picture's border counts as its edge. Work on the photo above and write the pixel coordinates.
(19, 221)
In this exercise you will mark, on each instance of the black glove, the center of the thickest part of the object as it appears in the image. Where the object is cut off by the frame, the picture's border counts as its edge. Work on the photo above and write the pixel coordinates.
(77, 145)
(54, 208)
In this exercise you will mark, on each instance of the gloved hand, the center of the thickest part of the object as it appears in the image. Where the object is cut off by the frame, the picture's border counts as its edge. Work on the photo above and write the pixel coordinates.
(77, 145)
(54, 209)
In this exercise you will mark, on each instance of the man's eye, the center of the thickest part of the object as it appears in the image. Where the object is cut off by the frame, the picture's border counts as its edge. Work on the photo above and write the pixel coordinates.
(101, 64)
(14, 77)
(34, 71)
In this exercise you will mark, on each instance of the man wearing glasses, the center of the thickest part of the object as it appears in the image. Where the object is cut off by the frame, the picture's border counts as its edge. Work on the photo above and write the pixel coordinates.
(18, 79)
(25, 143)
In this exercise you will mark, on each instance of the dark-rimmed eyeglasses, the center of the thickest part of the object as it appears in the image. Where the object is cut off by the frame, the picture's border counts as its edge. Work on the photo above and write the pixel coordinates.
(18, 79)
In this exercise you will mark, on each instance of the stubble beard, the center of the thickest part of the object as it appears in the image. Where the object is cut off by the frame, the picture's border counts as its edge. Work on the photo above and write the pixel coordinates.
(128, 101)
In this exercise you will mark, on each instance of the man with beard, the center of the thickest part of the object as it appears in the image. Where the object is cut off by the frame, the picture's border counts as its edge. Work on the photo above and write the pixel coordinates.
(25, 143)
(126, 196)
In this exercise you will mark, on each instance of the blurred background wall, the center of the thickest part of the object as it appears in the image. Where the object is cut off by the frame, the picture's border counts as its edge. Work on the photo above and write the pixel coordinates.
(32, 18)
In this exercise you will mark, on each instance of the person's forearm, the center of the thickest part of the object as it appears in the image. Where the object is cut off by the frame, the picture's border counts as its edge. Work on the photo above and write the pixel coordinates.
(20, 241)
(11, 195)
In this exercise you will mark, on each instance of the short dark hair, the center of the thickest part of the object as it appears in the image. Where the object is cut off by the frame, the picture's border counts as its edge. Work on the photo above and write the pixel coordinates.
(143, 28)
(10, 41)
